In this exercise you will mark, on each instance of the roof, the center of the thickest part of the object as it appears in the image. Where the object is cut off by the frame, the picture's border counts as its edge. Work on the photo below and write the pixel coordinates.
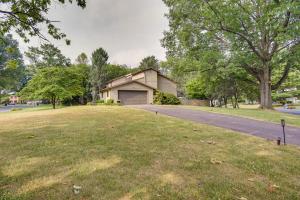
(135, 73)
(125, 83)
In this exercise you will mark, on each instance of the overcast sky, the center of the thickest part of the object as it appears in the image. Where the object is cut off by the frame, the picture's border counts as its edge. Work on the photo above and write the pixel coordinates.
(128, 29)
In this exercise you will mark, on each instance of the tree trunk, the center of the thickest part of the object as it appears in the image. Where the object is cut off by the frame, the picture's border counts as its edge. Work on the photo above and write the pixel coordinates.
(212, 103)
(225, 101)
(265, 89)
(95, 93)
(53, 102)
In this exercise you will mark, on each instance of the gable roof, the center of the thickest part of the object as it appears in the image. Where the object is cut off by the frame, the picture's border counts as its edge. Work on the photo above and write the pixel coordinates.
(125, 83)
(135, 73)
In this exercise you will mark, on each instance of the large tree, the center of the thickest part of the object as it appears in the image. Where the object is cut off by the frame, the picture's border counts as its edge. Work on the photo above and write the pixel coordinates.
(54, 84)
(97, 71)
(47, 55)
(149, 62)
(26, 17)
(259, 35)
(11, 63)
(82, 59)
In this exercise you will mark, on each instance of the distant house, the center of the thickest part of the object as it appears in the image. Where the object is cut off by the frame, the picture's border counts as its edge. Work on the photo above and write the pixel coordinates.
(138, 88)
(13, 99)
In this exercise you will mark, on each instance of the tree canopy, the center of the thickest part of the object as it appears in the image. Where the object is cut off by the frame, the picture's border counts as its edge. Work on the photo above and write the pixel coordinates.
(12, 67)
(97, 75)
(149, 62)
(257, 36)
(47, 55)
(82, 59)
(54, 84)
(26, 18)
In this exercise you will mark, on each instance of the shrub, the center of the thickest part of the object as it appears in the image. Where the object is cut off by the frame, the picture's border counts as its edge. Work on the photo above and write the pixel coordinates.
(101, 101)
(109, 102)
(4, 100)
(166, 99)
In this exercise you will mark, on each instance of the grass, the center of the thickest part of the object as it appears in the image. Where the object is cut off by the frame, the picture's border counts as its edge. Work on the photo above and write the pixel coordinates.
(120, 153)
(254, 113)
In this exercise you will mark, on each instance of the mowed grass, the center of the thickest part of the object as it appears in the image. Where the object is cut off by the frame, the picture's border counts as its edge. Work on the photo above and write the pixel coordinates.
(253, 113)
(122, 153)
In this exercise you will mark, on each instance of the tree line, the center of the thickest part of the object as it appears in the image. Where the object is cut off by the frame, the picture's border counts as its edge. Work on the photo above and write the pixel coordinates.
(220, 50)
(52, 77)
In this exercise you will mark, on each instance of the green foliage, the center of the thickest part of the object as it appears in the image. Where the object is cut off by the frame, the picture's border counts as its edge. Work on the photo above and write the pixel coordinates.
(54, 84)
(109, 102)
(165, 99)
(82, 59)
(16, 109)
(252, 35)
(26, 18)
(113, 71)
(12, 69)
(195, 89)
(4, 99)
(149, 62)
(101, 101)
(47, 55)
(97, 76)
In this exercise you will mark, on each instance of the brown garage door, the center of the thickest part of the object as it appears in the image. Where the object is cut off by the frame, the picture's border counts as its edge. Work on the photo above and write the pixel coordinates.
(132, 97)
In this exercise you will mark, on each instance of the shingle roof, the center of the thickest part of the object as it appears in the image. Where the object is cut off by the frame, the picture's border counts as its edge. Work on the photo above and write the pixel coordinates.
(125, 83)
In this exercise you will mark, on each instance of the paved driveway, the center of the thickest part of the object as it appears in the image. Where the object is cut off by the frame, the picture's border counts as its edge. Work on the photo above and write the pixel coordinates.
(9, 107)
(290, 111)
(262, 129)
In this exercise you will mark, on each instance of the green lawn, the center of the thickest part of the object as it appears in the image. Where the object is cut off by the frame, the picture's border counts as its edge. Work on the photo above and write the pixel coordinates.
(121, 153)
(253, 113)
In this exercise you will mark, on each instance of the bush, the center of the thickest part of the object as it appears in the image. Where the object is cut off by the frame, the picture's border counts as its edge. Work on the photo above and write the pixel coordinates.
(4, 100)
(101, 101)
(166, 99)
(109, 102)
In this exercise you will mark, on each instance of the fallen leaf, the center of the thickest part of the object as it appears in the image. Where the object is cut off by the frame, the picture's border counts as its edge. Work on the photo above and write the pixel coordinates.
(215, 161)
(211, 142)
(251, 179)
(272, 187)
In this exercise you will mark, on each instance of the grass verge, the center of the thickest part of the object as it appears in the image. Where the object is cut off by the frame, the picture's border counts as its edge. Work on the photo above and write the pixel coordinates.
(264, 115)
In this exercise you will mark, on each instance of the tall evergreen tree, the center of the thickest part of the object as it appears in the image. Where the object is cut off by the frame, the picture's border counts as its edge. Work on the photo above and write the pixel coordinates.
(97, 71)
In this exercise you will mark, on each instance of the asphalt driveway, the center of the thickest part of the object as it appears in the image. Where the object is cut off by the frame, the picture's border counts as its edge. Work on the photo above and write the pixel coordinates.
(262, 129)
(9, 107)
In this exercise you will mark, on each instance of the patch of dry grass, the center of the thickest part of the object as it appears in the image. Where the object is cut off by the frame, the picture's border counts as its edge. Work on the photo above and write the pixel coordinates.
(126, 154)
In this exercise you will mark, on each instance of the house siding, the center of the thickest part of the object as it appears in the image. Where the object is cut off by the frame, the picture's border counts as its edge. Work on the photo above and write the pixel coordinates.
(166, 85)
(131, 86)
(151, 78)
(148, 77)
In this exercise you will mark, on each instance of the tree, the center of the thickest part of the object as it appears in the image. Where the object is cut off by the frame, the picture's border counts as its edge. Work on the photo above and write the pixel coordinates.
(113, 71)
(26, 18)
(149, 62)
(259, 35)
(54, 84)
(82, 59)
(47, 55)
(12, 68)
(97, 75)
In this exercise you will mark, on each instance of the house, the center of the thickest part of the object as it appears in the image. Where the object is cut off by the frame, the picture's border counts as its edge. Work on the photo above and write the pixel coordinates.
(13, 99)
(138, 87)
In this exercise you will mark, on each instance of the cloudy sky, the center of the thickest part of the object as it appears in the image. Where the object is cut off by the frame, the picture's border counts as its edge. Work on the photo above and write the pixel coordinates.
(128, 29)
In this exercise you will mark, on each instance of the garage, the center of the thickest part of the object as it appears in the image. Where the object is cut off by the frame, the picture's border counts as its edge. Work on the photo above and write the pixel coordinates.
(132, 97)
